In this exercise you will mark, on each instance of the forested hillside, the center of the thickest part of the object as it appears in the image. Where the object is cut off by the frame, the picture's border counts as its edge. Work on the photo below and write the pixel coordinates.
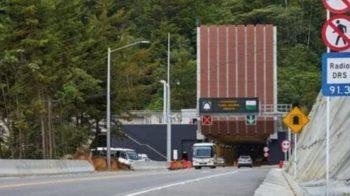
(53, 59)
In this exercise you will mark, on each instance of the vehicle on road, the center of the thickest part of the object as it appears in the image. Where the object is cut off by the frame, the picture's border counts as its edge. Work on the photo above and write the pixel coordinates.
(220, 162)
(204, 155)
(143, 157)
(123, 155)
(244, 160)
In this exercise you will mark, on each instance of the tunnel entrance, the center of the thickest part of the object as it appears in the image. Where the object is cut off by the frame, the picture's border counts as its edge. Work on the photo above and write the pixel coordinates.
(230, 151)
(255, 150)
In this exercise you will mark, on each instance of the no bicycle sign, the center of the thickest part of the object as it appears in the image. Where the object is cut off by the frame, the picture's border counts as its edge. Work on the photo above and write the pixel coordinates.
(336, 33)
(337, 6)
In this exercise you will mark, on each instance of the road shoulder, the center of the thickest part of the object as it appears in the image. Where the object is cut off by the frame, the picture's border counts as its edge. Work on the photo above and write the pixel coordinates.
(274, 184)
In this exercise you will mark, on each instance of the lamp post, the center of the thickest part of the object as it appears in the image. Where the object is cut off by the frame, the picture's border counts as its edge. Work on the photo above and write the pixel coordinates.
(109, 52)
(168, 105)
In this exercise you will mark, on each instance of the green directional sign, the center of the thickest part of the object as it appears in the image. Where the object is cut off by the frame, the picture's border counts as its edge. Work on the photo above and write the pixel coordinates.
(250, 120)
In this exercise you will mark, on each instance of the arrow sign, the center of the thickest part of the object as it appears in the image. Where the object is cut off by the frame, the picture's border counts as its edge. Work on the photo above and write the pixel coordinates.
(250, 120)
(337, 6)
(336, 33)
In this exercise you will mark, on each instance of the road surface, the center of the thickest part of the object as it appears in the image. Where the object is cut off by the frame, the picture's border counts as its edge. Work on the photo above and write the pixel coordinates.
(219, 181)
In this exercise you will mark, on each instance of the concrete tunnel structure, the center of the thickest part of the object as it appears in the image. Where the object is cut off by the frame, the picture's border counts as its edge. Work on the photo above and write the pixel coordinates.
(238, 62)
(232, 62)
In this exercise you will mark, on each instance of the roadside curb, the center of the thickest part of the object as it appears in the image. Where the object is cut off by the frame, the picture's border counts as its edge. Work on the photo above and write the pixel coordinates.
(295, 187)
(274, 184)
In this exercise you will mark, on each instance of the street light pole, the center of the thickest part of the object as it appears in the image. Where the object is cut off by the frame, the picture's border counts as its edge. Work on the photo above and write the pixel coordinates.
(168, 107)
(108, 137)
(164, 100)
(109, 110)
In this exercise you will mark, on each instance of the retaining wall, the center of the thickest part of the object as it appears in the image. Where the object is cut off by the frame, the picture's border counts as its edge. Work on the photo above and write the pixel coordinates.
(311, 149)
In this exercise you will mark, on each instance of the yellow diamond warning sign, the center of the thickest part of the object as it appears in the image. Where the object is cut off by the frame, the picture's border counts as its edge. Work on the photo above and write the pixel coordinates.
(296, 120)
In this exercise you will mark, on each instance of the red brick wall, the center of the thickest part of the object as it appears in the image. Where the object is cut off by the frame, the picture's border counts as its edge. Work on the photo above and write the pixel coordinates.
(239, 62)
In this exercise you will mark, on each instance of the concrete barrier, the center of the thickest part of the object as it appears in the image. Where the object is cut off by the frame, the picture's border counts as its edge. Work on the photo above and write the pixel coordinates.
(38, 167)
(149, 165)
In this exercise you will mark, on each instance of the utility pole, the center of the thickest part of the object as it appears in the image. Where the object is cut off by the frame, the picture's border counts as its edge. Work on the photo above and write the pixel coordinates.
(168, 107)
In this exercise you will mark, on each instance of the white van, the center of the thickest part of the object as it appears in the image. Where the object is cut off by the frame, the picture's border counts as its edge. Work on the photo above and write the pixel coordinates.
(204, 155)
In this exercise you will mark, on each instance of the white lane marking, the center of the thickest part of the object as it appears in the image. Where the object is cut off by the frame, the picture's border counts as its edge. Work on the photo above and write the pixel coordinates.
(49, 181)
(180, 183)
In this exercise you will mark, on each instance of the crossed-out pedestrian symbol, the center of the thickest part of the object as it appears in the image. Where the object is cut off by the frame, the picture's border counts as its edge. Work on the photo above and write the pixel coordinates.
(335, 33)
(337, 6)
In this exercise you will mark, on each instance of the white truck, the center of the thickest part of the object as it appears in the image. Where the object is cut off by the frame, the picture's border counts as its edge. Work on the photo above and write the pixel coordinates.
(204, 155)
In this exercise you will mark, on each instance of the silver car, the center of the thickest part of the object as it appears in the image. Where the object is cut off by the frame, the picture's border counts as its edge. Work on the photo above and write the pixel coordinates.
(245, 160)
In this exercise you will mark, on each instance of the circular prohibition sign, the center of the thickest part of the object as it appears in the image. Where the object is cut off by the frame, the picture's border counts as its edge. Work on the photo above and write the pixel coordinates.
(336, 33)
(337, 6)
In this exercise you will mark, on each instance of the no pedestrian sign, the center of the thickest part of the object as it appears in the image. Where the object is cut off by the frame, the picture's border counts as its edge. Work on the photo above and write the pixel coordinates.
(336, 33)
(337, 6)
(336, 74)
(285, 145)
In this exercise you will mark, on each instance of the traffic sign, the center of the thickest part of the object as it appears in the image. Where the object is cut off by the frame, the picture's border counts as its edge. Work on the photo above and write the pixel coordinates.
(336, 74)
(266, 149)
(250, 120)
(337, 6)
(244, 105)
(285, 145)
(336, 33)
(207, 120)
(266, 154)
(295, 120)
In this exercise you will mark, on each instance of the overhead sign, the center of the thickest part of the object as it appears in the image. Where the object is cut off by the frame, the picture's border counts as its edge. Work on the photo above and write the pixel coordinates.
(207, 120)
(250, 120)
(337, 6)
(336, 33)
(295, 120)
(229, 105)
(285, 145)
(336, 74)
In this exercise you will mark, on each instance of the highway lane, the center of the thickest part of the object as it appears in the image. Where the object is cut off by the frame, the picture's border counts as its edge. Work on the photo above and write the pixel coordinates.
(220, 181)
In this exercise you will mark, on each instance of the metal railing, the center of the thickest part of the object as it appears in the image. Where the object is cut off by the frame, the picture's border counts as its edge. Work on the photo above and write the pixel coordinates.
(157, 117)
(275, 108)
(187, 116)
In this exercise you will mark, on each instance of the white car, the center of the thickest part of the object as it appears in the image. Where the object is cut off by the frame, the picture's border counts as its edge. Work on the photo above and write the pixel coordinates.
(244, 160)
(143, 157)
(220, 162)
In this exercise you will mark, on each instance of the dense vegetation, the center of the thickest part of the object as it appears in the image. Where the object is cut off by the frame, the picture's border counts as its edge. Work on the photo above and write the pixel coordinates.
(53, 56)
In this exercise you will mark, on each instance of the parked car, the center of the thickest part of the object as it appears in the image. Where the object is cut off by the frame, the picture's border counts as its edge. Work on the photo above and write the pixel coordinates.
(244, 160)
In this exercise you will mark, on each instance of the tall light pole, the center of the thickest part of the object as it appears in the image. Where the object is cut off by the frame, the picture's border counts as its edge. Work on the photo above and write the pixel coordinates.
(165, 100)
(108, 138)
(168, 107)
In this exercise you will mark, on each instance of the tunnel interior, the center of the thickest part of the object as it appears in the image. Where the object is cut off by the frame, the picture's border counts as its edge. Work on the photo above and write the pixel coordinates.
(231, 151)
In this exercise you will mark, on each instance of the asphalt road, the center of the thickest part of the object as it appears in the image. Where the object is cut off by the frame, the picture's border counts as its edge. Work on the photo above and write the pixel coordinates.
(219, 181)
